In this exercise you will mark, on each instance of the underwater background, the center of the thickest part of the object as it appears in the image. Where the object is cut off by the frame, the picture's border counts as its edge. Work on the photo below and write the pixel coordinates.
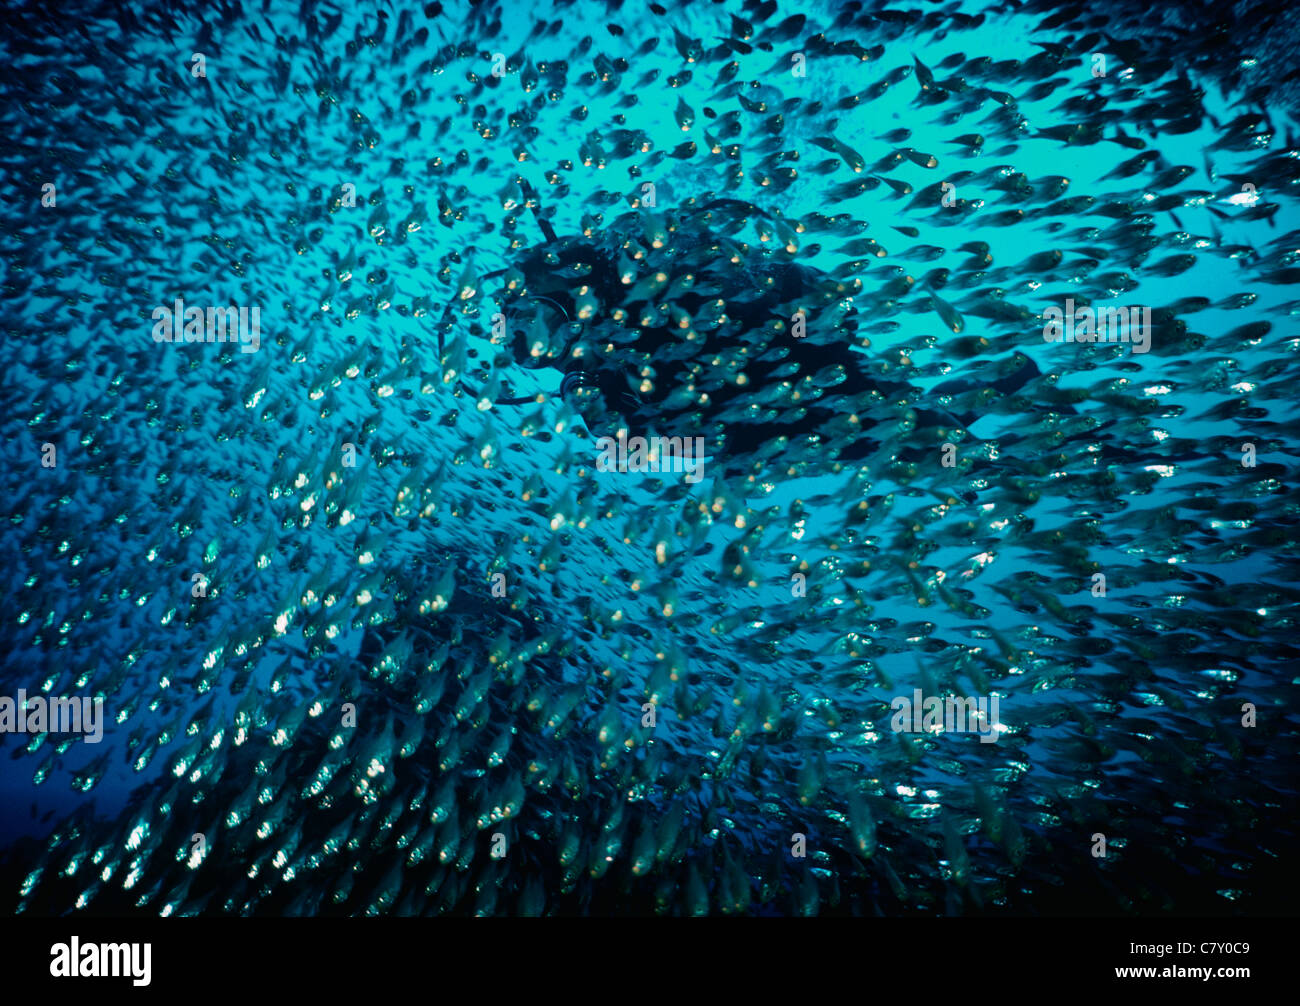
(373, 640)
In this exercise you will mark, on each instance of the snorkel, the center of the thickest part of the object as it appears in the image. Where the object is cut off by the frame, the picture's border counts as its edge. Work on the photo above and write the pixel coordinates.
(600, 395)
(518, 335)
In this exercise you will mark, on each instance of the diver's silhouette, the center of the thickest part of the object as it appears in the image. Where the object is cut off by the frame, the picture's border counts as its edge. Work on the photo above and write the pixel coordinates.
(685, 333)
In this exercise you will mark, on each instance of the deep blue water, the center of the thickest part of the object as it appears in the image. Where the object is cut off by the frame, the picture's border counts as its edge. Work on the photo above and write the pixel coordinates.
(349, 499)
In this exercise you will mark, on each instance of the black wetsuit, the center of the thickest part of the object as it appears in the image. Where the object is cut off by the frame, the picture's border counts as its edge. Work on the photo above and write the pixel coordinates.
(757, 294)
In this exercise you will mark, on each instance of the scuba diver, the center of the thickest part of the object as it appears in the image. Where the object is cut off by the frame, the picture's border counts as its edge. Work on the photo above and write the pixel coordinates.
(663, 325)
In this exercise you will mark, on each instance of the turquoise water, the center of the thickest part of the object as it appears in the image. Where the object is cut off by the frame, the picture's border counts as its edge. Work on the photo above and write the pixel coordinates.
(338, 483)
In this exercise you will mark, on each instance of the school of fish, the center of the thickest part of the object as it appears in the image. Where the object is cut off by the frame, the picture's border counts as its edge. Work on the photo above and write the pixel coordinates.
(373, 641)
